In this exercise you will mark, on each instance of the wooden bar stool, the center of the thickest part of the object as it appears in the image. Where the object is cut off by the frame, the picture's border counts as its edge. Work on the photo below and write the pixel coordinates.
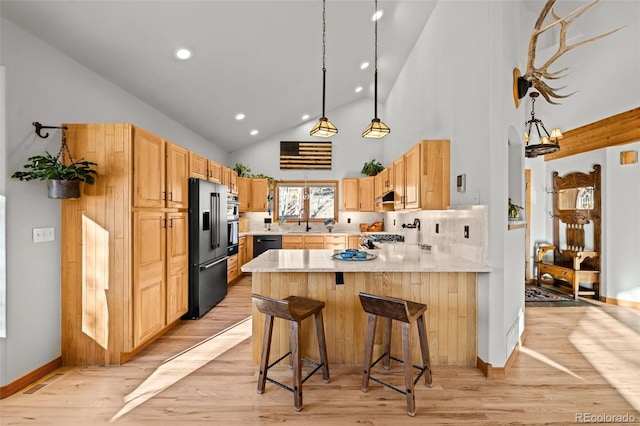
(295, 309)
(406, 312)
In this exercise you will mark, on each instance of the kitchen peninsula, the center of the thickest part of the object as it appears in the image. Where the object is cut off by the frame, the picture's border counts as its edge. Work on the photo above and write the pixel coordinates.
(445, 282)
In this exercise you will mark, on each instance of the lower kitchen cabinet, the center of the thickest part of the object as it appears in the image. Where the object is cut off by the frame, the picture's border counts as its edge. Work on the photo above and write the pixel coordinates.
(160, 261)
(335, 242)
(242, 253)
(232, 268)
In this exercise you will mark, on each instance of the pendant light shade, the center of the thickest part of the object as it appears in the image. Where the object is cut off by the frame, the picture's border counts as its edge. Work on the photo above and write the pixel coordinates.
(323, 128)
(377, 129)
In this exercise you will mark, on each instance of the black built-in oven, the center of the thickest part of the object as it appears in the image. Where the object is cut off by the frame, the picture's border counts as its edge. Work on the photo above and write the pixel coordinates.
(233, 214)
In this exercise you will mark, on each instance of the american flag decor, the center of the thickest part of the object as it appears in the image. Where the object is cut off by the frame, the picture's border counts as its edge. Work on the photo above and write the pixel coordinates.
(305, 155)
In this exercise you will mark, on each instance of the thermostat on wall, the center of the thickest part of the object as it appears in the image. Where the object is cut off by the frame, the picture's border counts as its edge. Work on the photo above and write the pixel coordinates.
(461, 182)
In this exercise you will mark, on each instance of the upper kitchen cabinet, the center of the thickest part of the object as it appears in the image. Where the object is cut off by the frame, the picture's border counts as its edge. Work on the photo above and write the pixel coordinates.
(259, 195)
(366, 194)
(244, 193)
(399, 183)
(215, 171)
(202, 168)
(230, 179)
(350, 195)
(435, 191)
(253, 194)
(161, 169)
(421, 177)
(198, 166)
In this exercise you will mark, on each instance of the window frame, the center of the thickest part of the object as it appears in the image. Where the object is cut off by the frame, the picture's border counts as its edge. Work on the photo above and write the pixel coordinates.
(307, 183)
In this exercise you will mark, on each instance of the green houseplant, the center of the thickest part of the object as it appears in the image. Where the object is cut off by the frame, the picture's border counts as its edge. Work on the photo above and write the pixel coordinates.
(63, 180)
(372, 168)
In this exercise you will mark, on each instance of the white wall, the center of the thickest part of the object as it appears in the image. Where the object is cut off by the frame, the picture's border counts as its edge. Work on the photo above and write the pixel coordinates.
(605, 76)
(350, 149)
(457, 85)
(44, 85)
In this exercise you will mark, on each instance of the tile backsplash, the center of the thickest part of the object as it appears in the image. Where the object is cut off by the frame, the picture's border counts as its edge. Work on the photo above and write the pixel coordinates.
(444, 230)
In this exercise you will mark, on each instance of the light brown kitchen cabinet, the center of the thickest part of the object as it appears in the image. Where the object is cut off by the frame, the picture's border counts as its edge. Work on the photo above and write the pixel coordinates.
(378, 185)
(244, 193)
(202, 168)
(259, 195)
(215, 171)
(177, 240)
(353, 241)
(314, 242)
(421, 177)
(365, 194)
(412, 178)
(160, 172)
(435, 191)
(160, 265)
(232, 268)
(134, 240)
(252, 194)
(292, 242)
(350, 200)
(198, 166)
(398, 183)
(230, 179)
(242, 253)
(335, 242)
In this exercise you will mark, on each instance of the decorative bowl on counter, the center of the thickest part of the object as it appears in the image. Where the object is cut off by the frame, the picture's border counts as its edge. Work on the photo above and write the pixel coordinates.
(361, 254)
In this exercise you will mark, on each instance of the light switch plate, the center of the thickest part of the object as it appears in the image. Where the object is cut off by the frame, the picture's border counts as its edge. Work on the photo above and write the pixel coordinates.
(43, 235)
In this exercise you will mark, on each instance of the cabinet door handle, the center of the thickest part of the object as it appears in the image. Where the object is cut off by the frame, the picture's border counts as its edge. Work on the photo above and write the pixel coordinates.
(171, 196)
(164, 196)
(164, 223)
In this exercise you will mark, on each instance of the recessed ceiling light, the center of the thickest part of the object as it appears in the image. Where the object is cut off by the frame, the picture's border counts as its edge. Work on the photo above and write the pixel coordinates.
(253, 132)
(305, 117)
(183, 53)
(240, 116)
(358, 89)
(377, 15)
(364, 65)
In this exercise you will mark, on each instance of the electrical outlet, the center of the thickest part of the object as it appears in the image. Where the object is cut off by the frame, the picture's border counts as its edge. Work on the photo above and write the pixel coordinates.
(466, 231)
(43, 235)
(437, 228)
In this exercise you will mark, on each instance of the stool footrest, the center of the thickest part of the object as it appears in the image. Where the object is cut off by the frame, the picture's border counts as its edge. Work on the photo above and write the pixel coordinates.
(422, 370)
(317, 365)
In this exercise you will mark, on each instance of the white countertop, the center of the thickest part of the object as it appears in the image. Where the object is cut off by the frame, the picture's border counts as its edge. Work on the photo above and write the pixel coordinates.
(392, 258)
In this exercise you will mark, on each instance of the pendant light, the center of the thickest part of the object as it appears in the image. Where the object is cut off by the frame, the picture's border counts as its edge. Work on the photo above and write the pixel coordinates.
(323, 128)
(377, 129)
(547, 143)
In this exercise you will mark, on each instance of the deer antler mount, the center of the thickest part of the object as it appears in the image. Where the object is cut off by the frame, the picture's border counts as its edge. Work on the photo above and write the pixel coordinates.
(535, 76)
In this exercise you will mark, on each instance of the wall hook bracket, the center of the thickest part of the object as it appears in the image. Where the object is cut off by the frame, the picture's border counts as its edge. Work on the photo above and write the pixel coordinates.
(39, 128)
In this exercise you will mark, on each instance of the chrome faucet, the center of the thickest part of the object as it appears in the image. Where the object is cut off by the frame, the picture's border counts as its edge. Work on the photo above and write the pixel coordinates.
(307, 228)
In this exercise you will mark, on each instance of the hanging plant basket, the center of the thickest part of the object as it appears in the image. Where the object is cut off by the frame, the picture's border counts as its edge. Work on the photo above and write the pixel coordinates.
(63, 189)
(63, 176)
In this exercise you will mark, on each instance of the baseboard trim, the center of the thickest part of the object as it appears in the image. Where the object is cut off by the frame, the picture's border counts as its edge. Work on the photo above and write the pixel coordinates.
(491, 372)
(619, 302)
(27, 379)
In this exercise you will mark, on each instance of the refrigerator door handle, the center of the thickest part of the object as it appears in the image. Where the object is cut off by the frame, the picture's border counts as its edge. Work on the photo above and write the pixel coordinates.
(215, 209)
(209, 265)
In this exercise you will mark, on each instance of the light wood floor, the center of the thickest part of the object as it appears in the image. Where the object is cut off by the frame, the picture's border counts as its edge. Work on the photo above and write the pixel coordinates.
(575, 360)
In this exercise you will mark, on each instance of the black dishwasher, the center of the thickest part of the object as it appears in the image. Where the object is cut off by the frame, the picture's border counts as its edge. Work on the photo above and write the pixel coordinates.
(262, 243)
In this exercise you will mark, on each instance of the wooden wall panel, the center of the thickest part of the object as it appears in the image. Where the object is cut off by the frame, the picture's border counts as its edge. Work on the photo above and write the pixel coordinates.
(451, 315)
(618, 129)
(96, 247)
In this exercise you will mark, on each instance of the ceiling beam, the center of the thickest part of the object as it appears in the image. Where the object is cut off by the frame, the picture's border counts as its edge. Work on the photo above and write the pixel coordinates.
(618, 129)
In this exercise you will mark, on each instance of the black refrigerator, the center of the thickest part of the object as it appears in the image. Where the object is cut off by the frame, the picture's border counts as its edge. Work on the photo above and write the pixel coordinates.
(207, 246)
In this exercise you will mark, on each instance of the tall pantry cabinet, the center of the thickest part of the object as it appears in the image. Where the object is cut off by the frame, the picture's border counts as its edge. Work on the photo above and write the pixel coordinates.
(124, 244)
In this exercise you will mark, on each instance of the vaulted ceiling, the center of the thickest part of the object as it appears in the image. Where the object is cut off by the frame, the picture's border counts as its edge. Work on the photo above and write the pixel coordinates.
(260, 58)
